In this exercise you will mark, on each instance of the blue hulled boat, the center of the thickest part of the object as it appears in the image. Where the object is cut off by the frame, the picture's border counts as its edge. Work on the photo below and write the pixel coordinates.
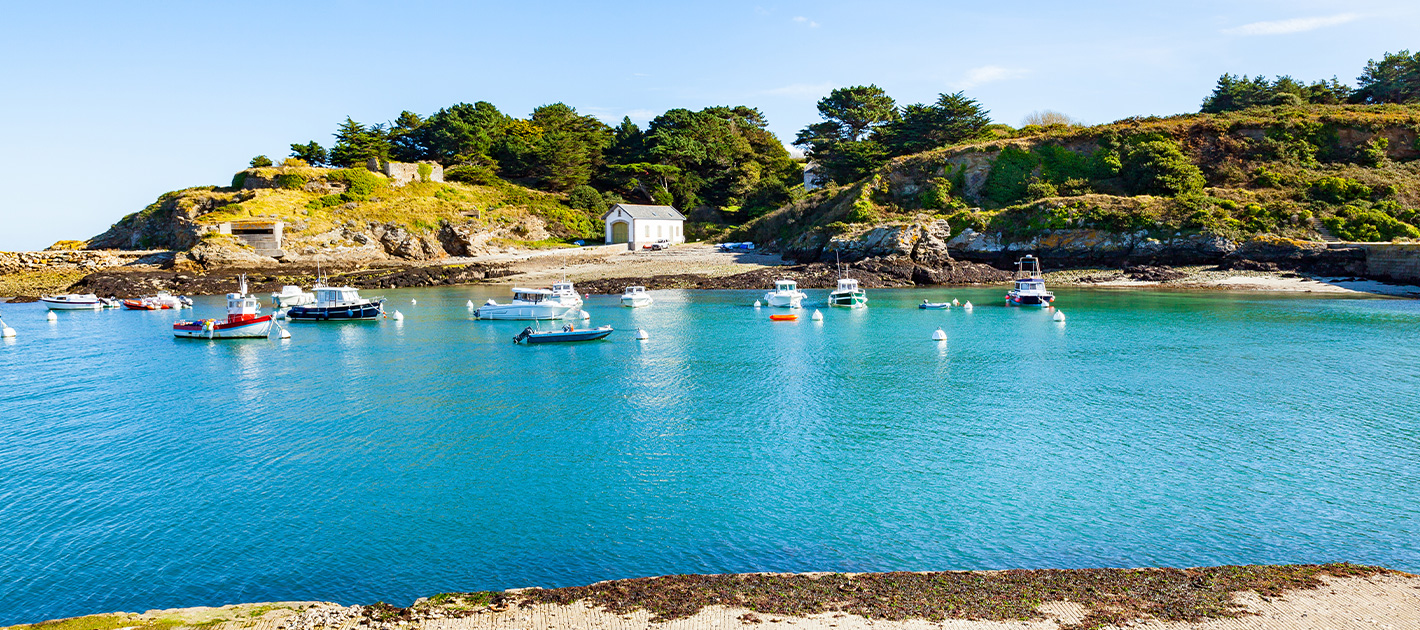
(568, 333)
(337, 304)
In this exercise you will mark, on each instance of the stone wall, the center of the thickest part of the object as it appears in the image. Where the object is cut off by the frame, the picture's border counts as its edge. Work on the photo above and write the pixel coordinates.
(401, 173)
(1390, 261)
(84, 260)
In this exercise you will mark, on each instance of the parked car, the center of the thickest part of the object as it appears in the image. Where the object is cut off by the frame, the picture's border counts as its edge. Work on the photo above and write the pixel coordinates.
(659, 245)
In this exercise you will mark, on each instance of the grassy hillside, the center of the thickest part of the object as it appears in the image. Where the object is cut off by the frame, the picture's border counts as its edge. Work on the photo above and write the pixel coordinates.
(1272, 170)
(316, 203)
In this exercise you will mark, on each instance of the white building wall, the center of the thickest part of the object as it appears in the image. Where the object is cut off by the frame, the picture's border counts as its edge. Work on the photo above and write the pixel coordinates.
(647, 230)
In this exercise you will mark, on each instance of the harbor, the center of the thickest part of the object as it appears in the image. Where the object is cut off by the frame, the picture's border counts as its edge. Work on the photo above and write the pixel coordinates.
(1175, 429)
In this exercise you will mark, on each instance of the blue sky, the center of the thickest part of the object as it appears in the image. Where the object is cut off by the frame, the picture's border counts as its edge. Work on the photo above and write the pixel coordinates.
(107, 105)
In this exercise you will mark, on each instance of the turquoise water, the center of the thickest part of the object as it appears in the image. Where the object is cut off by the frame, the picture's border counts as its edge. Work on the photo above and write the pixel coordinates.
(384, 461)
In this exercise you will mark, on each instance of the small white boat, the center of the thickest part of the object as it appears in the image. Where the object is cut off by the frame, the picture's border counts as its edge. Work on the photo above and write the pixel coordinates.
(848, 294)
(786, 294)
(635, 297)
(941, 306)
(291, 295)
(72, 302)
(566, 293)
(1030, 285)
(527, 304)
(244, 320)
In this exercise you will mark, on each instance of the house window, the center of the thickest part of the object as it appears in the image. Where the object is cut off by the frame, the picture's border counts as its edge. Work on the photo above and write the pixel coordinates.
(658, 231)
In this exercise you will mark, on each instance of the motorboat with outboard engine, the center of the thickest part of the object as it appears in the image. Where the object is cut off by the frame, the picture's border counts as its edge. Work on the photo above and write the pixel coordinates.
(72, 302)
(159, 302)
(244, 320)
(527, 304)
(939, 306)
(635, 297)
(291, 295)
(1030, 285)
(568, 333)
(337, 304)
(786, 294)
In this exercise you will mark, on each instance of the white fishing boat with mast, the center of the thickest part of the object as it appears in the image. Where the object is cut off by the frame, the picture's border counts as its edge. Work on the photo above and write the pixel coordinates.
(848, 293)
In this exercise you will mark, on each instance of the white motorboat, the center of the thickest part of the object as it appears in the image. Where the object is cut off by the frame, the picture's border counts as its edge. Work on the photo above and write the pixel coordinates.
(848, 294)
(566, 293)
(73, 302)
(292, 295)
(528, 304)
(244, 320)
(786, 294)
(636, 297)
(1030, 285)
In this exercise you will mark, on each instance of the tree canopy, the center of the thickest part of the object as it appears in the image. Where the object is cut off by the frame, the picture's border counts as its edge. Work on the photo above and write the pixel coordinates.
(1393, 79)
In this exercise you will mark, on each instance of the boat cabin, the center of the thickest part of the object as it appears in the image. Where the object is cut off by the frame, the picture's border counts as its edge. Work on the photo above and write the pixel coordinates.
(531, 295)
(563, 287)
(847, 284)
(337, 296)
(1030, 285)
(785, 285)
(634, 290)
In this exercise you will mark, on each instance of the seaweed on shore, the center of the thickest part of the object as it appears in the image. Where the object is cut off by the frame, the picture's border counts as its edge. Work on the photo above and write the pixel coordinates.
(1111, 597)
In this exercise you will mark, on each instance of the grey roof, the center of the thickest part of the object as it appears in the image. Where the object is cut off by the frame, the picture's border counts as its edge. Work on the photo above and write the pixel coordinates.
(646, 212)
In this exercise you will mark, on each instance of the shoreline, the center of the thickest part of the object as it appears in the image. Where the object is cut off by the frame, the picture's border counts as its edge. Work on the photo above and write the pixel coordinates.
(694, 266)
(1293, 596)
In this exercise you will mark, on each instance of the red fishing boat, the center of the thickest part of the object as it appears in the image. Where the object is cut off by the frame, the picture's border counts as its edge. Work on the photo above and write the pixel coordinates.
(244, 320)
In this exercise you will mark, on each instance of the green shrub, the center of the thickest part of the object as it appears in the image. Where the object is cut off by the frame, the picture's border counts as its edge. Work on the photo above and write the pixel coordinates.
(291, 181)
(836, 228)
(1338, 190)
(1358, 224)
(260, 161)
(960, 220)
(1270, 179)
(937, 195)
(239, 180)
(662, 197)
(425, 171)
(863, 210)
(474, 175)
(359, 183)
(1157, 166)
(1038, 189)
(1374, 153)
(1006, 183)
(586, 198)
(1075, 186)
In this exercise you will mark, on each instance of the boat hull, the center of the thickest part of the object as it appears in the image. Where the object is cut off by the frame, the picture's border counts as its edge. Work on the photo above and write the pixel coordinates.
(58, 305)
(636, 302)
(592, 334)
(780, 300)
(522, 312)
(935, 306)
(1014, 299)
(249, 329)
(349, 313)
(139, 305)
(850, 300)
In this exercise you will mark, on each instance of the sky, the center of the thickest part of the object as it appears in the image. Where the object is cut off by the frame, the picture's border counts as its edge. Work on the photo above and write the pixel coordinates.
(107, 105)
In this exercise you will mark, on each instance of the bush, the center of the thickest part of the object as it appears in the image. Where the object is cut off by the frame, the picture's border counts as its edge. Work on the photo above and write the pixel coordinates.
(1006, 183)
(1374, 153)
(1156, 166)
(470, 174)
(1038, 189)
(239, 180)
(962, 219)
(662, 197)
(937, 195)
(1075, 186)
(260, 161)
(425, 171)
(1358, 224)
(359, 183)
(294, 162)
(291, 181)
(586, 198)
(1338, 190)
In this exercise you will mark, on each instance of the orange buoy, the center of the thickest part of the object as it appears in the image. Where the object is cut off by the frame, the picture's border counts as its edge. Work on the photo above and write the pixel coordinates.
(783, 318)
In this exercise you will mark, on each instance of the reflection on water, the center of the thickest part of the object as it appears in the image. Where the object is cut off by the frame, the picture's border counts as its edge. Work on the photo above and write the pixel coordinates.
(381, 460)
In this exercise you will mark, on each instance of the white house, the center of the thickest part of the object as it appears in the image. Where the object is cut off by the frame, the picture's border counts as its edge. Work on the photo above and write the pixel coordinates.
(629, 223)
(811, 177)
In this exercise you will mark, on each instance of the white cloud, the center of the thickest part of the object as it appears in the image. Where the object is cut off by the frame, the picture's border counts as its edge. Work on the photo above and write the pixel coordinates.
(989, 74)
(814, 90)
(806, 21)
(1294, 25)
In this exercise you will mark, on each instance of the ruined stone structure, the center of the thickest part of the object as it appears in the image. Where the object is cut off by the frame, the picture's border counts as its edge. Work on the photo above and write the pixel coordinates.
(401, 173)
(264, 236)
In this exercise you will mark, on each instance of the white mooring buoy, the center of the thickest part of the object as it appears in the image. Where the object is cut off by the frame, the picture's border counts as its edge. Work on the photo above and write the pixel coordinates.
(817, 316)
(285, 334)
(955, 302)
(398, 316)
(1059, 316)
(756, 304)
(586, 315)
(52, 317)
(940, 335)
(5, 330)
(967, 306)
(641, 335)
(414, 302)
(470, 304)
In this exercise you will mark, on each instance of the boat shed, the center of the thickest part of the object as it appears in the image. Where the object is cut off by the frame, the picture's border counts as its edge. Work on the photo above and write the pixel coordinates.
(642, 225)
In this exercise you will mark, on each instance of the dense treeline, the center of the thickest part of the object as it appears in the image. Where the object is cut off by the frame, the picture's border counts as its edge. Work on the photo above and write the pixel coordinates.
(1393, 79)
(718, 156)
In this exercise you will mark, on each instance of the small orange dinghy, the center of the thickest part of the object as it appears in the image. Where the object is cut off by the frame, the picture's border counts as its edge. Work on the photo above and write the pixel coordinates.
(783, 318)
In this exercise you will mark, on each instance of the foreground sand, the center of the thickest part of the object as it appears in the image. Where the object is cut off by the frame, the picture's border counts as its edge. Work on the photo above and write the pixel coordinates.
(1386, 600)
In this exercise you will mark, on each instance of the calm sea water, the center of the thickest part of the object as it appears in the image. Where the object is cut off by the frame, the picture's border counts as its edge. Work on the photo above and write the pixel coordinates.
(385, 461)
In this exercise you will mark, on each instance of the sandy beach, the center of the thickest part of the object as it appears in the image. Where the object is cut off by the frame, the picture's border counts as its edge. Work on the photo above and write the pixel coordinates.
(1389, 601)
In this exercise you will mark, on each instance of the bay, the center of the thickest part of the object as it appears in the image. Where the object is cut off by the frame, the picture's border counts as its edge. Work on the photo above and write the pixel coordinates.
(390, 460)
